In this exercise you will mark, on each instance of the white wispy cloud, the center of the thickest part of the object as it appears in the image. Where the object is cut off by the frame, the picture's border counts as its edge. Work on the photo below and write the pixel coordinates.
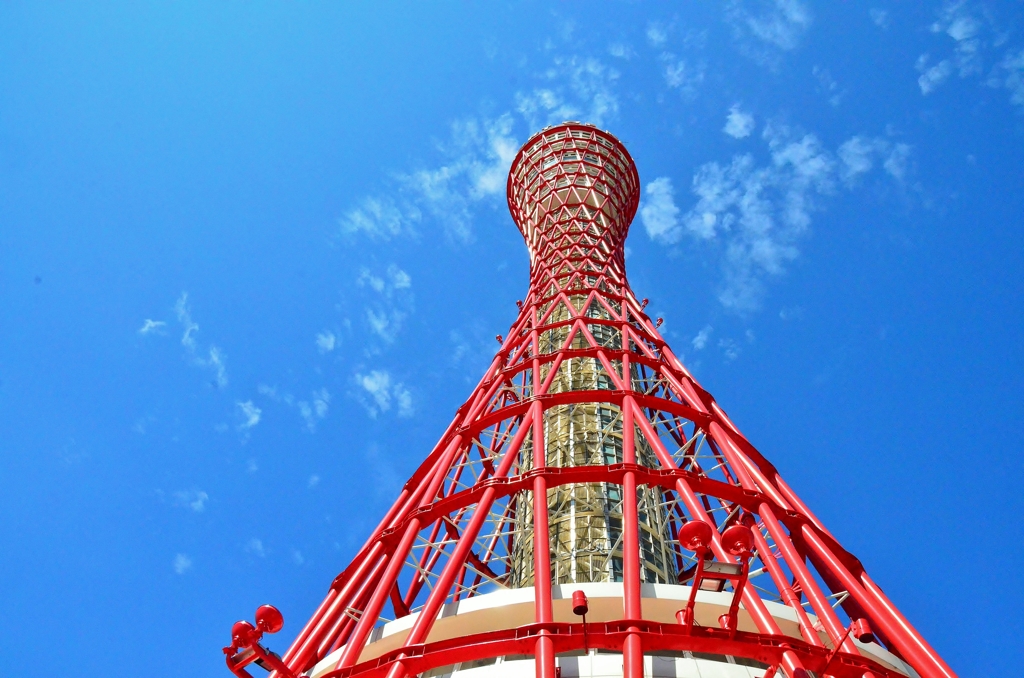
(315, 409)
(250, 414)
(978, 44)
(385, 324)
(880, 17)
(777, 24)
(859, 155)
(472, 348)
(575, 88)
(957, 20)
(828, 85)
(268, 391)
(214, 359)
(184, 313)
(378, 385)
(756, 215)
(702, 338)
(311, 410)
(656, 34)
(621, 50)
(297, 557)
(730, 349)
(387, 284)
(194, 500)
(658, 212)
(478, 155)
(142, 424)
(479, 151)
(153, 326)
(932, 75)
(683, 74)
(313, 481)
(738, 124)
(1010, 74)
(181, 563)
(255, 547)
(326, 341)
(384, 394)
(387, 313)
(379, 218)
(403, 400)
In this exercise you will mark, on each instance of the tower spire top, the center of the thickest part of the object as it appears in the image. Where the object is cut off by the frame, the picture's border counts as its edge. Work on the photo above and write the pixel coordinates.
(573, 172)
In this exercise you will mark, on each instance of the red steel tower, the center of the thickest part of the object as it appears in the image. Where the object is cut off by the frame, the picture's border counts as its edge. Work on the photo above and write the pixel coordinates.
(671, 546)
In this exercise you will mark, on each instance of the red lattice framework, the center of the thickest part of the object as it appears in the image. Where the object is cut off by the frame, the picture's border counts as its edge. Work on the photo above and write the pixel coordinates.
(573, 191)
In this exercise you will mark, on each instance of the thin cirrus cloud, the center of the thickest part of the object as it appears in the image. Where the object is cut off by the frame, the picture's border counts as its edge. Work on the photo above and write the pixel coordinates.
(391, 301)
(255, 547)
(659, 213)
(153, 327)
(181, 563)
(326, 341)
(573, 87)
(755, 215)
(380, 394)
(312, 410)
(194, 500)
(386, 284)
(479, 151)
(657, 34)
(212, 358)
(380, 218)
(680, 73)
(702, 338)
(764, 28)
(249, 414)
(478, 154)
(880, 17)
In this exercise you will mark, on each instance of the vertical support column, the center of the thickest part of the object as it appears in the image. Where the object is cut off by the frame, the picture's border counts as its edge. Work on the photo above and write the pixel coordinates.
(545, 650)
(632, 651)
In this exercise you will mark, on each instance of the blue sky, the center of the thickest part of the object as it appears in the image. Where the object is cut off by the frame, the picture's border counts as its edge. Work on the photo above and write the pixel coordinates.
(254, 256)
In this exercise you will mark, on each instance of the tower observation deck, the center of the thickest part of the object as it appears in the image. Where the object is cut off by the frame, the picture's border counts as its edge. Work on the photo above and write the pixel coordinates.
(672, 547)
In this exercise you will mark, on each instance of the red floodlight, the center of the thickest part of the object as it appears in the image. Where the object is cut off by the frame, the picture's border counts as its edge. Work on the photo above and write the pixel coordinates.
(738, 540)
(695, 536)
(580, 605)
(269, 619)
(245, 645)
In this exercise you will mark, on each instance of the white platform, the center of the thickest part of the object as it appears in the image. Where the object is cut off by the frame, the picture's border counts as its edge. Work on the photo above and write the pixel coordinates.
(509, 608)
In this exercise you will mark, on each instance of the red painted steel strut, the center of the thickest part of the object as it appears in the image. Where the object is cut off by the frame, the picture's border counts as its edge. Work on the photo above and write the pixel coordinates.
(583, 363)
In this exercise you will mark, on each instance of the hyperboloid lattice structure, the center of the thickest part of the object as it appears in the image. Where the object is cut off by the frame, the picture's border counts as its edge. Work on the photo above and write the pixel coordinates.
(672, 546)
